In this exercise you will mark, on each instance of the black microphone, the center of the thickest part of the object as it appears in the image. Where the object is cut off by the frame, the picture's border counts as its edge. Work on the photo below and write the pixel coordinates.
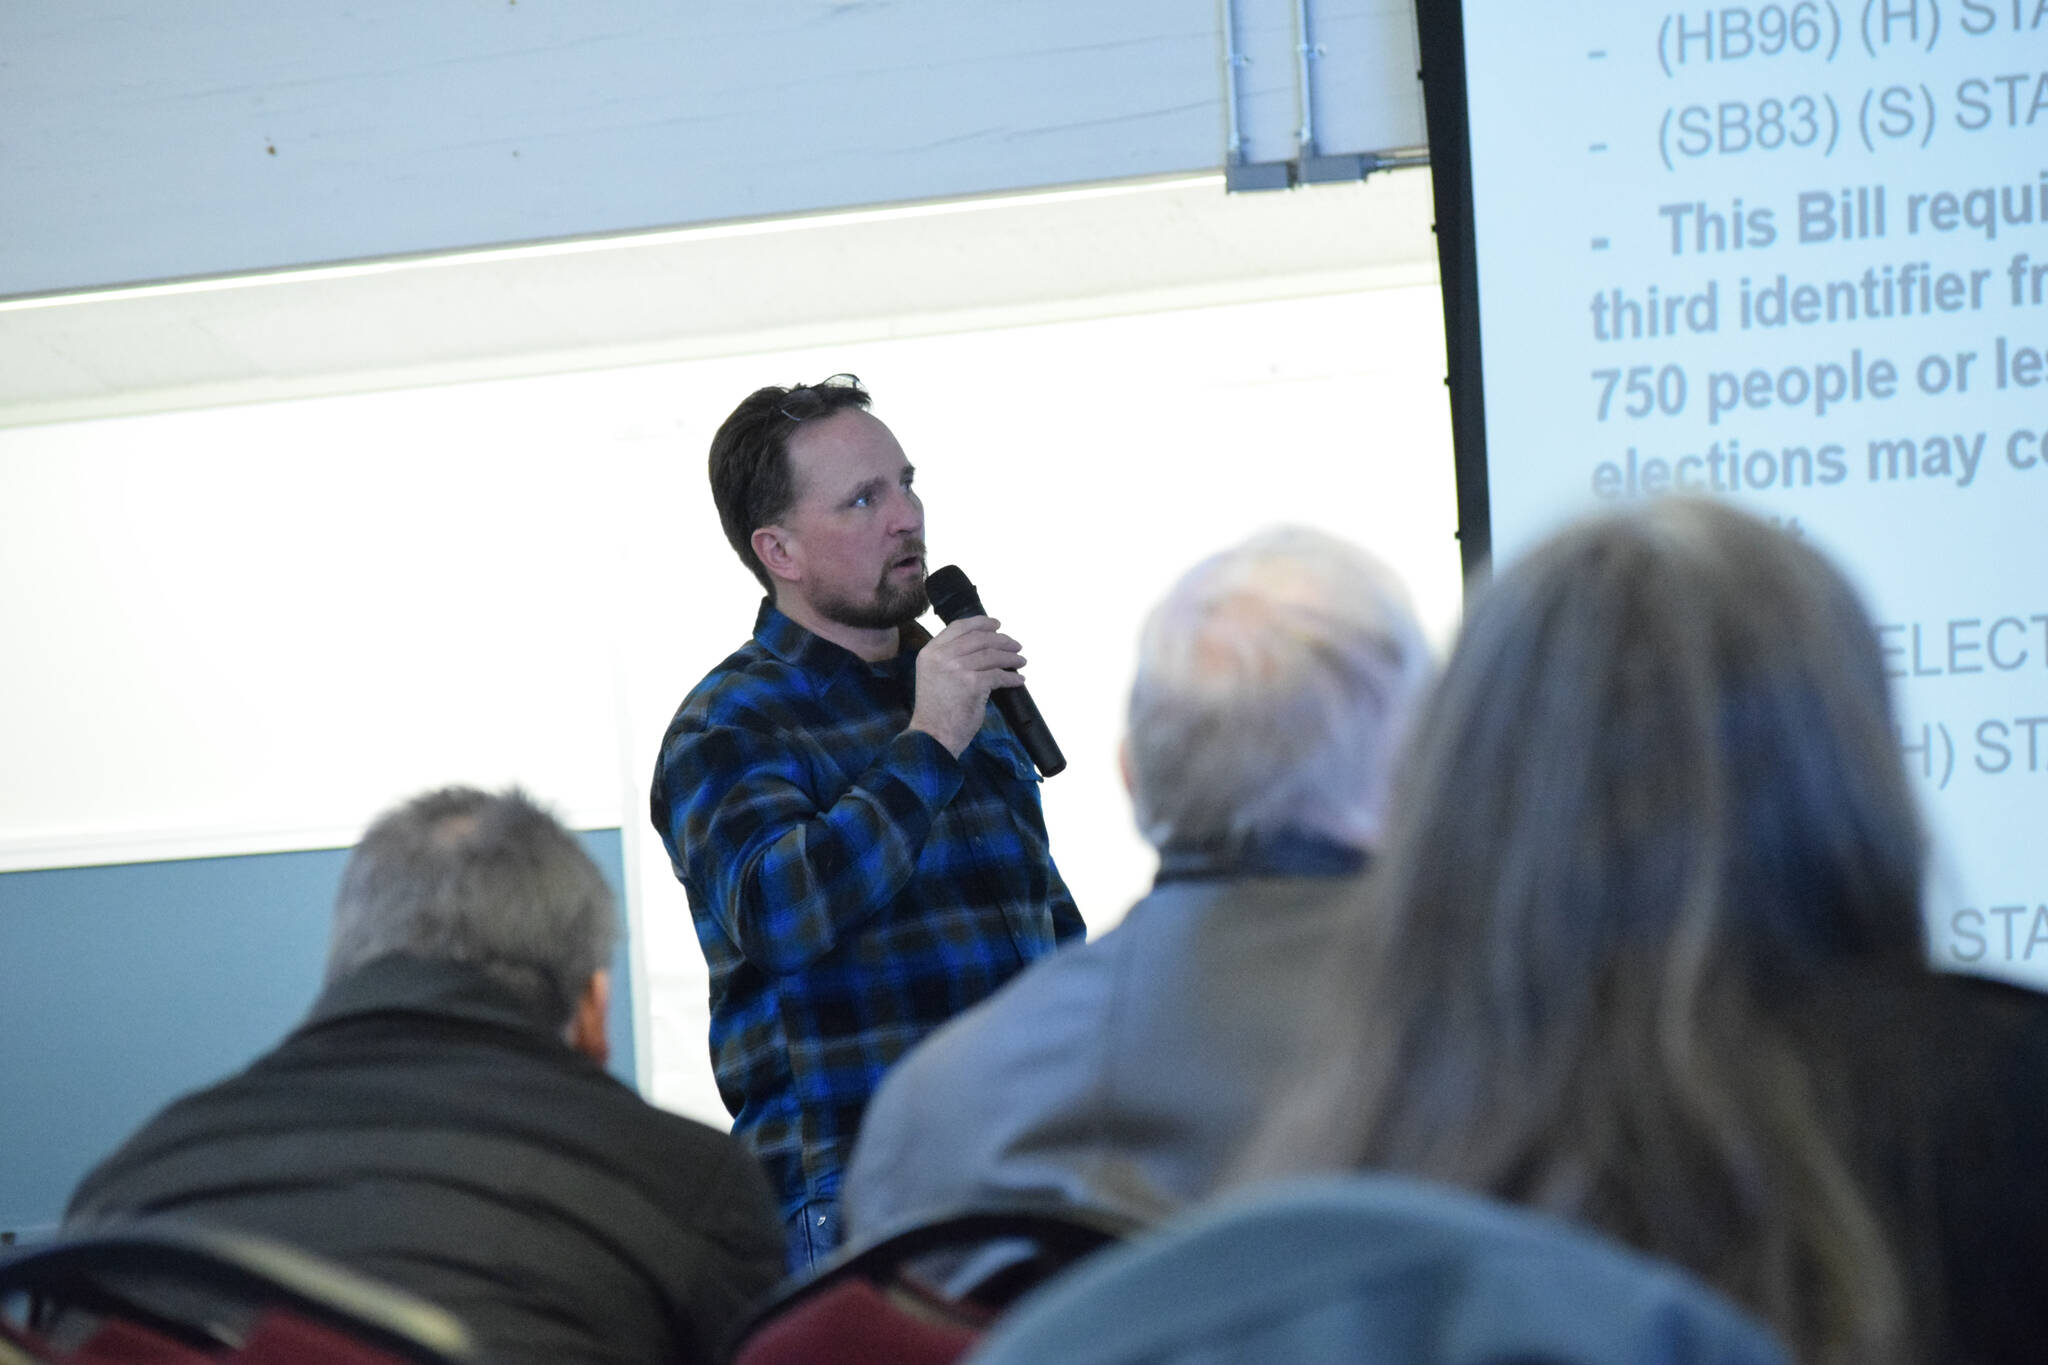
(953, 597)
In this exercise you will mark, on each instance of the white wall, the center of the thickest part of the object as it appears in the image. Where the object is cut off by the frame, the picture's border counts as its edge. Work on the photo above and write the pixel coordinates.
(250, 626)
(244, 627)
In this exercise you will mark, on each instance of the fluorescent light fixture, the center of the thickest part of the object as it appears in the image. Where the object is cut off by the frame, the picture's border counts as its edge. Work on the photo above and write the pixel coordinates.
(758, 227)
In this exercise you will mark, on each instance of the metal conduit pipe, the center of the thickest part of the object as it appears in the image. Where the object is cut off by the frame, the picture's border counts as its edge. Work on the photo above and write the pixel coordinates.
(1305, 51)
(1239, 173)
(1309, 166)
(1232, 60)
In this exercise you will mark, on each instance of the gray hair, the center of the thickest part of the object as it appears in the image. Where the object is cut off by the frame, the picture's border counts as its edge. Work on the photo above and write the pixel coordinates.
(1274, 683)
(493, 880)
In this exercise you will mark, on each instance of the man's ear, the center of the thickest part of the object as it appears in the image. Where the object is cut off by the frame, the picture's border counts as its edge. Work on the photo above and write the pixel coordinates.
(588, 1033)
(776, 550)
(1123, 766)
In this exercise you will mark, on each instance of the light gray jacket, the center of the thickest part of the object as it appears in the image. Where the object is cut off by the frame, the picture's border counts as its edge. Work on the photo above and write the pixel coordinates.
(1120, 1074)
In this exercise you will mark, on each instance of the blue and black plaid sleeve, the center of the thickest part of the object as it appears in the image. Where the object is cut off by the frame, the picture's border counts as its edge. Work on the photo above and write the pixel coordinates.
(853, 884)
(784, 878)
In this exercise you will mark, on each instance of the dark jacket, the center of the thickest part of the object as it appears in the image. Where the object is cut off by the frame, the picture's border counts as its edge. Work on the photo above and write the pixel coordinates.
(421, 1128)
(1938, 1084)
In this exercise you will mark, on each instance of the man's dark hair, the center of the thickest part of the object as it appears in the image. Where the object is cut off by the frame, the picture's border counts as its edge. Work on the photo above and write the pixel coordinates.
(750, 478)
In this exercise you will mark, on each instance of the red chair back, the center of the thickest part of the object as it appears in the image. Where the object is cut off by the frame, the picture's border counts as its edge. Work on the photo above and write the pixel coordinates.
(867, 1306)
(855, 1323)
(171, 1293)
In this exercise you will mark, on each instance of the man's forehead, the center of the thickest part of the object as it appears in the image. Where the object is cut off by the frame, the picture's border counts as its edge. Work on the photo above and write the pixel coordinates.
(843, 451)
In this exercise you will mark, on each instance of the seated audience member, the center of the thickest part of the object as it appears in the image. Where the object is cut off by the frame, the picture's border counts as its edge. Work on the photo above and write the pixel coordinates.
(1123, 1074)
(1651, 832)
(443, 1121)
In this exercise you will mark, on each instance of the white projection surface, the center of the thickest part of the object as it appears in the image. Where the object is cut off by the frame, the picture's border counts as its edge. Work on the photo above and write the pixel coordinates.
(1796, 255)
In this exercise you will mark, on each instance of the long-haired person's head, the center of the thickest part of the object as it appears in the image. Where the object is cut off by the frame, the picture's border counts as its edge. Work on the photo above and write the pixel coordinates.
(1665, 740)
(751, 481)
(492, 880)
(1273, 686)
(1656, 793)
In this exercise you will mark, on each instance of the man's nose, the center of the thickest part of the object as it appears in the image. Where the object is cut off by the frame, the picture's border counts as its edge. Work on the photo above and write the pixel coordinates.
(908, 514)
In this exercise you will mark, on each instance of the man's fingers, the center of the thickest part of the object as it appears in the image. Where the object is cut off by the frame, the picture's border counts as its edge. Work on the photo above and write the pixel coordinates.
(964, 633)
(966, 625)
(975, 653)
(983, 651)
(984, 669)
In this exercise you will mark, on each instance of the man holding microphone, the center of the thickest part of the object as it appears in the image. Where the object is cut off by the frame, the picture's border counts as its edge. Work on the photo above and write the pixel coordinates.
(858, 832)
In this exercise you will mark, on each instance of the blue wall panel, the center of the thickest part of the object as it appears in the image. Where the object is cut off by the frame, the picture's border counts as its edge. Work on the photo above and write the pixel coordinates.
(123, 987)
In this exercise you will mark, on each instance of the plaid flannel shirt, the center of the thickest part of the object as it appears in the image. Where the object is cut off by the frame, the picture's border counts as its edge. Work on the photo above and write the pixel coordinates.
(853, 884)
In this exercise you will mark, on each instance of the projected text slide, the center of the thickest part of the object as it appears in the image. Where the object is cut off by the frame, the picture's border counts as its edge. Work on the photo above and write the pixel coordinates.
(1796, 255)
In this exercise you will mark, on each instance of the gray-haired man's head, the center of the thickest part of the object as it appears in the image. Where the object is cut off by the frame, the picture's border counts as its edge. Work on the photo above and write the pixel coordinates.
(488, 879)
(1273, 687)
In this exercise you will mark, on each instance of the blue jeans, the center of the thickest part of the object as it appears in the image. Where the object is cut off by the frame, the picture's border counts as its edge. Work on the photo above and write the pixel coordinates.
(813, 1234)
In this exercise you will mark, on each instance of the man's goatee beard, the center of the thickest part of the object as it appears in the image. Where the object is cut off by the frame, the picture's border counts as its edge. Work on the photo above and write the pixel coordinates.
(890, 608)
